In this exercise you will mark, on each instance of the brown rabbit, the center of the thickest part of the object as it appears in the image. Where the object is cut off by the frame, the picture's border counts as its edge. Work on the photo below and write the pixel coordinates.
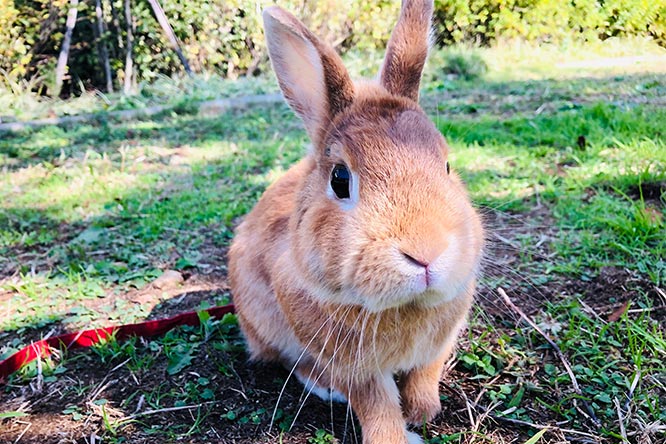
(359, 264)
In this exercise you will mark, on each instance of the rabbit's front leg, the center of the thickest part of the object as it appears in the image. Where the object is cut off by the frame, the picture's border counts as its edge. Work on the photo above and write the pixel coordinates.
(419, 387)
(376, 403)
(419, 390)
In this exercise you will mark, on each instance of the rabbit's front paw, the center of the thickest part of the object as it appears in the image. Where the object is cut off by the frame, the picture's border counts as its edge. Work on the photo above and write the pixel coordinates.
(422, 406)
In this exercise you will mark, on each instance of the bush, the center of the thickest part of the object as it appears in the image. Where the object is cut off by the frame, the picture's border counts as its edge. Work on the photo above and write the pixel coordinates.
(484, 21)
(468, 66)
(226, 36)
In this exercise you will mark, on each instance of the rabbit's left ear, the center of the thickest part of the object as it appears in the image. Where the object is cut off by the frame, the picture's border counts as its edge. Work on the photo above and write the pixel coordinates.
(310, 73)
(407, 49)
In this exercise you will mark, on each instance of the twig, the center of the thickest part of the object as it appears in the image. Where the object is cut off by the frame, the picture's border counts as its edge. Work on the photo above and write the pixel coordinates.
(646, 310)
(240, 392)
(164, 410)
(591, 311)
(29, 424)
(468, 405)
(486, 413)
(558, 351)
(139, 405)
(100, 388)
(40, 373)
(620, 419)
(543, 238)
(542, 426)
(451, 363)
(661, 293)
(630, 395)
(484, 389)
(509, 242)
(136, 381)
(120, 365)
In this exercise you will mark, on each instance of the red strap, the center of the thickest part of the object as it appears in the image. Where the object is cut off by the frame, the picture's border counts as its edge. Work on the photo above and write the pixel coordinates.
(86, 338)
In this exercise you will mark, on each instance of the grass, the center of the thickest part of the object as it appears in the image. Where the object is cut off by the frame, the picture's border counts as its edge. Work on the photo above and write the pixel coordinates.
(569, 172)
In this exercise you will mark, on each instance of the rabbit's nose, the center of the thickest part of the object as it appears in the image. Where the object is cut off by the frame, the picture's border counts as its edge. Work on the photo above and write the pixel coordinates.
(423, 255)
(415, 261)
(426, 247)
(427, 272)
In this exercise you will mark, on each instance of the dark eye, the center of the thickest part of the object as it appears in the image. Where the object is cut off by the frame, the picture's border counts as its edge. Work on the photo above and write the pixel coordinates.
(448, 168)
(340, 181)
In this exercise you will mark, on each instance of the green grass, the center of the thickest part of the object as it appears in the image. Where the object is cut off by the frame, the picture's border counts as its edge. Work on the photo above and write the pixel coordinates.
(595, 190)
(89, 213)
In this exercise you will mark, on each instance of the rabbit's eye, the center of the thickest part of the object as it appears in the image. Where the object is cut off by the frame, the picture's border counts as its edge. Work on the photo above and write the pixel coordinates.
(340, 181)
(448, 168)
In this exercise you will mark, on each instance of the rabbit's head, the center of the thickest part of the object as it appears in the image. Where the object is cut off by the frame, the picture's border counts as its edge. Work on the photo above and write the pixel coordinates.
(382, 220)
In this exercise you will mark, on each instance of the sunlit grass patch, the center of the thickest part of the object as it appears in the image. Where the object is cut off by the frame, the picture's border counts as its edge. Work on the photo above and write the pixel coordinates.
(597, 58)
(607, 357)
(115, 212)
(605, 229)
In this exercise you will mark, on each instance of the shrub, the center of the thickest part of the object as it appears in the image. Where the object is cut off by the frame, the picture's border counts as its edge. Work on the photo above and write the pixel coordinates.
(469, 66)
(226, 36)
(484, 21)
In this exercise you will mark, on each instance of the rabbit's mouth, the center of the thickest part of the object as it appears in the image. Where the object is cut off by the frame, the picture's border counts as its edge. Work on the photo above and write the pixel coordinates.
(419, 293)
(383, 276)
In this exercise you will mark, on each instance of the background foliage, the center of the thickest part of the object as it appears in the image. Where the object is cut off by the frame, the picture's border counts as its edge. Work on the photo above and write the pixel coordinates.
(554, 21)
(225, 36)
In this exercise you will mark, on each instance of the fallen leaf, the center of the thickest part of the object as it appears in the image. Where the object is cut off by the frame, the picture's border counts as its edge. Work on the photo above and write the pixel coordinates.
(170, 278)
(617, 314)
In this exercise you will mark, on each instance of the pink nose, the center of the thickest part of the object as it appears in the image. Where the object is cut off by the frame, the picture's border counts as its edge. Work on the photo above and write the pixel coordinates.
(420, 263)
(415, 261)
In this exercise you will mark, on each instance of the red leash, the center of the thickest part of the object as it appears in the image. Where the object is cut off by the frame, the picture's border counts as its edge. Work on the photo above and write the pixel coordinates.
(86, 338)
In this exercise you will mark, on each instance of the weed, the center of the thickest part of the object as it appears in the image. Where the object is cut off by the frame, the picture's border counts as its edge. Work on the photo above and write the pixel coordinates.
(322, 437)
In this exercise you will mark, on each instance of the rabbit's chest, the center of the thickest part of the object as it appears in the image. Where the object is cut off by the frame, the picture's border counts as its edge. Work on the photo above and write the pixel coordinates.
(400, 344)
(413, 348)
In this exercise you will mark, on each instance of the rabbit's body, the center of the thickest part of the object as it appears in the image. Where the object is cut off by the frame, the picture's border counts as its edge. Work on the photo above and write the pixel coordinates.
(360, 262)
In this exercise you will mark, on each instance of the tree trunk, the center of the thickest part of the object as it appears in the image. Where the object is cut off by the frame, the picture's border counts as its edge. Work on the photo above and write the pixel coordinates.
(164, 22)
(66, 42)
(115, 21)
(129, 62)
(101, 46)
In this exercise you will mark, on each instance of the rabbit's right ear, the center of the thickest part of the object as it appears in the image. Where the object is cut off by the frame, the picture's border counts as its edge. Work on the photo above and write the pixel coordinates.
(407, 49)
(310, 73)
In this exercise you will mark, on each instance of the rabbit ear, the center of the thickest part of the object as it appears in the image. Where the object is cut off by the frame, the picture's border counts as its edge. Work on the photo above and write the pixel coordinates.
(310, 73)
(408, 49)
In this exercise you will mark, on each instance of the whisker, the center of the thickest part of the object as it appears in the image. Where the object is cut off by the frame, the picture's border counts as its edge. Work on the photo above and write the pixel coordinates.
(293, 368)
(335, 351)
(323, 349)
(354, 368)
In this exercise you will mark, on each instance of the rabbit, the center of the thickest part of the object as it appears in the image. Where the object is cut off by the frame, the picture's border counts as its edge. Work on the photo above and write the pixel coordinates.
(358, 266)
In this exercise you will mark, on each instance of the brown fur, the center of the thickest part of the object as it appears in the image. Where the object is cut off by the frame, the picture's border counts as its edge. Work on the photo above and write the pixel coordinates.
(408, 49)
(334, 291)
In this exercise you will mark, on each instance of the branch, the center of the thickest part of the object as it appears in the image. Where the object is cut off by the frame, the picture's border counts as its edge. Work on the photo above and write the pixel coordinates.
(168, 30)
(558, 351)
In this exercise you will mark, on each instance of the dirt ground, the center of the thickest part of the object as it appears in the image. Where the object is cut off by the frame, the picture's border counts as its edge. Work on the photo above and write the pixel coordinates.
(247, 394)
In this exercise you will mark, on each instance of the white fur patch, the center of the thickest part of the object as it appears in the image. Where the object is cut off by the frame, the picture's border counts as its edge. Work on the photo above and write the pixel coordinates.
(413, 438)
(327, 394)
